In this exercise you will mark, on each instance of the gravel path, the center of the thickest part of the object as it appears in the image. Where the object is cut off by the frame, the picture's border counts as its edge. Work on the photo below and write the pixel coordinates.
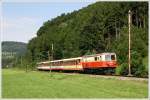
(113, 77)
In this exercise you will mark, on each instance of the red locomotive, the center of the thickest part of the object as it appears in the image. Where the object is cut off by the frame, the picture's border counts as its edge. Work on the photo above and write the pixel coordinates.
(96, 61)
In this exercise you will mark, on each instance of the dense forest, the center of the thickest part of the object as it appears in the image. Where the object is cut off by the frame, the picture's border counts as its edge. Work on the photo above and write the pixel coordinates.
(99, 27)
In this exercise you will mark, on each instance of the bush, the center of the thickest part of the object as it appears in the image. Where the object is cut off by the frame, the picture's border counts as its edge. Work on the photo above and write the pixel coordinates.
(118, 70)
(137, 67)
(122, 69)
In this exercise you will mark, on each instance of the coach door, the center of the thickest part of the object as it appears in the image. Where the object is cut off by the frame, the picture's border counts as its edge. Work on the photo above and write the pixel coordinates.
(77, 62)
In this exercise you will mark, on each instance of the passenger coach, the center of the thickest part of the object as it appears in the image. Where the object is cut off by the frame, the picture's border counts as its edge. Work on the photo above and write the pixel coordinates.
(96, 61)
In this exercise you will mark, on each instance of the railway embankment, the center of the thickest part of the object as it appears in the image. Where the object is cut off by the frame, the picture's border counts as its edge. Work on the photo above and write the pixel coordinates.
(118, 77)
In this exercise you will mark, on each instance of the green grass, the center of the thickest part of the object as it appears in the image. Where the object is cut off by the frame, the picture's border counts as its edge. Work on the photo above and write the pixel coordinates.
(19, 84)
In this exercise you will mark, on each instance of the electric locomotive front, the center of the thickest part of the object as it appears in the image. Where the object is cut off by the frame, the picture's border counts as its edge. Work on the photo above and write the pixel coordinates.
(97, 61)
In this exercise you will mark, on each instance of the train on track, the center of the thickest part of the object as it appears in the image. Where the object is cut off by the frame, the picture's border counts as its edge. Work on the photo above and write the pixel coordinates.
(89, 62)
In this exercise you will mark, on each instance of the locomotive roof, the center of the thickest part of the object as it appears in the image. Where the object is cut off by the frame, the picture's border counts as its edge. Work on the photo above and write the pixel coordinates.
(106, 53)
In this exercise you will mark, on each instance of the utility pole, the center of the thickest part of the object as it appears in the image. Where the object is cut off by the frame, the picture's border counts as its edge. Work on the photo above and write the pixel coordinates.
(52, 51)
(50, 58)
(48, 52)
(129, 55)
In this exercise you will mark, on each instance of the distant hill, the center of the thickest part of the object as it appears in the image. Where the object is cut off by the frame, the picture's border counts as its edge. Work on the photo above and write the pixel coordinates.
(10, 48)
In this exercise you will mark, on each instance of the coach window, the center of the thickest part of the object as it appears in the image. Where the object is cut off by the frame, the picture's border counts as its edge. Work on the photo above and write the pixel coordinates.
(72, 63)
(96, 59)
(64, 62)
(100, 58)
(56, 63)
(75, 62)
(79, 60)
(61, 63)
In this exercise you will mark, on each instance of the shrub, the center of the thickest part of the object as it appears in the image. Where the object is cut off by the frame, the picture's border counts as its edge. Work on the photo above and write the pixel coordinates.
(118, 70)
(137, 67)
(124, 69)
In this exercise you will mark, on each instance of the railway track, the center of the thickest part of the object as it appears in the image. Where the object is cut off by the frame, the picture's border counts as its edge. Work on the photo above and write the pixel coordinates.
(113, 77)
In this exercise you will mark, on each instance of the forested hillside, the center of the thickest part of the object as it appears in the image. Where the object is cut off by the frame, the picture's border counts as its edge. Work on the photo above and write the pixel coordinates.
(11, 46)
(99, 27)
(11, 50)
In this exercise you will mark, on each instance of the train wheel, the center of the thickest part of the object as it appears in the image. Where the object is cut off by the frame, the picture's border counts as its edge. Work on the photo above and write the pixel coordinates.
(109, 71)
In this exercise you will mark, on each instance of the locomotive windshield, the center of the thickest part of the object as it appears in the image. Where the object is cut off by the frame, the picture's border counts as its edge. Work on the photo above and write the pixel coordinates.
(109, 57)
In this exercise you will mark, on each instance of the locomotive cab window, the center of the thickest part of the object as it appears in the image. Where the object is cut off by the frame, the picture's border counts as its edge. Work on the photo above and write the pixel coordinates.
(107, 57)
(112, 57)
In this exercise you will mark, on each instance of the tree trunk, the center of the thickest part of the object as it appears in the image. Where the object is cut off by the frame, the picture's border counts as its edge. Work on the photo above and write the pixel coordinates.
(144, 22)
(136, 18)
(140, 22)
(119, 30)
(116, 28)
(108, 41)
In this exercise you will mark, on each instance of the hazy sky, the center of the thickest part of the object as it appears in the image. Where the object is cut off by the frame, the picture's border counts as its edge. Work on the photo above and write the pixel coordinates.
(22, 20)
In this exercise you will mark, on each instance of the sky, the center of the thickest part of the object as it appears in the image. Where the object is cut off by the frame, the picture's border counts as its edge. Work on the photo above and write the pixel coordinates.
(21, 20)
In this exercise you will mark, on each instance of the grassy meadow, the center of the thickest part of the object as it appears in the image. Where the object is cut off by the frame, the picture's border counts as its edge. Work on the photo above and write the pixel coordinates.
(37, 84)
